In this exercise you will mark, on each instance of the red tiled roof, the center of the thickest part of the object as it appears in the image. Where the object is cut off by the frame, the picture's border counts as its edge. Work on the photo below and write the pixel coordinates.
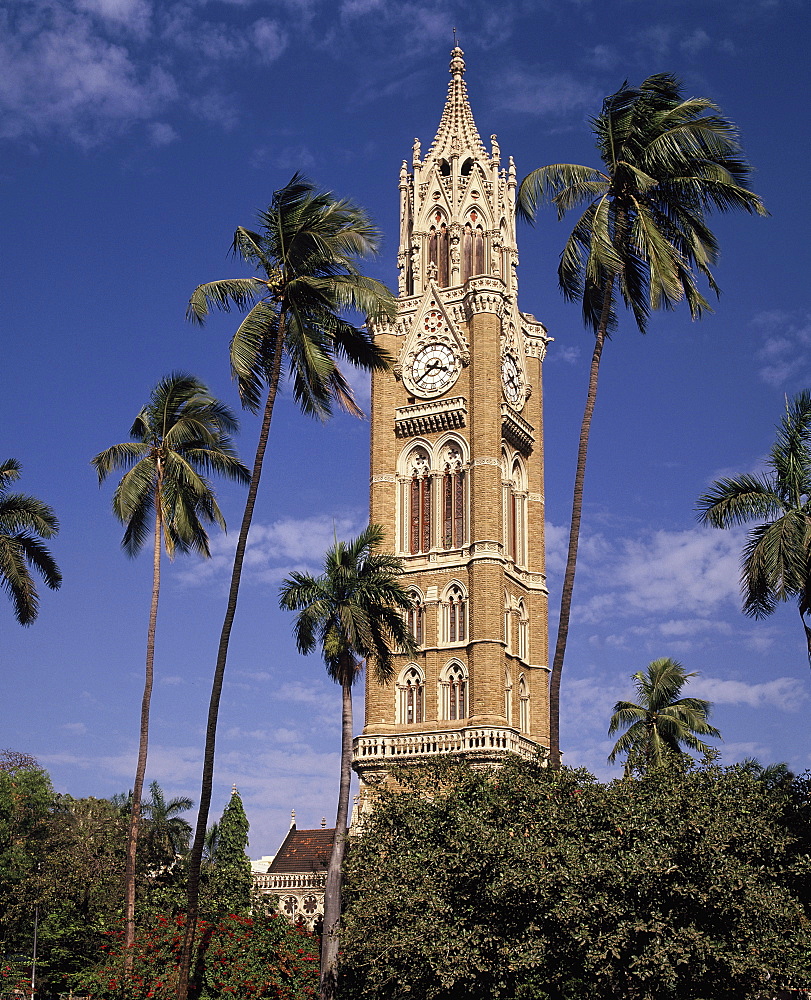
(304, 851)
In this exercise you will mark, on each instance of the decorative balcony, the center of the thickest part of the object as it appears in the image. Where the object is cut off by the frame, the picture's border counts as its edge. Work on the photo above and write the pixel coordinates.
(284, 881)
(479, 744)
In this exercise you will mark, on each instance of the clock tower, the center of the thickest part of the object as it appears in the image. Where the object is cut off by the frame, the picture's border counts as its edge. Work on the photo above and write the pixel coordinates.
(457, 465)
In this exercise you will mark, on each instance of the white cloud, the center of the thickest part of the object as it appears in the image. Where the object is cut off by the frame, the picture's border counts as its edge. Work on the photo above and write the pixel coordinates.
(784, 693)
(133, 15)
(784, 354)
(59, 74)
(269, 38)
(162, 134)
(274, 550)
(568, 355)
(691, 571)
(695, 42)
(544, 94)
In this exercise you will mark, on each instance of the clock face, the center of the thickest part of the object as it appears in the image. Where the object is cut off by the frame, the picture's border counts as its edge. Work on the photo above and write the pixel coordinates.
(511, 380)
(434, 369)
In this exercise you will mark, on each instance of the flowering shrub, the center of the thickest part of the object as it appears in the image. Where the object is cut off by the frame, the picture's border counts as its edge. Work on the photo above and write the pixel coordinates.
(13, 981)
(247, 957)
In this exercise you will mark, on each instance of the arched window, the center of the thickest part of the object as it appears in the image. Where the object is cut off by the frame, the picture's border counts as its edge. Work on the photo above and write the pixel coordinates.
(415, 618)
(454, 497)
(508, 697)
(508, 621)
(472, 247)
(515, 512)
(411, 696)
(455, 614)
(438, 249)
(417, 502)
(454, 691)
(523, 705)
(523, 632)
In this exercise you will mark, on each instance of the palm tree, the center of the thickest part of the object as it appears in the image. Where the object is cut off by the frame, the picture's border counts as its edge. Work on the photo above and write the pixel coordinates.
(667, 163)
(355, 612)
(306, 252)
(776, 564)
(181, 435)
(166, 832)
(24, 520)
(658, 727)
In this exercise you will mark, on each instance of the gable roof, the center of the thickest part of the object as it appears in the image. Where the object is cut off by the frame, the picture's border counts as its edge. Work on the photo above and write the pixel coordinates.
(303, 851)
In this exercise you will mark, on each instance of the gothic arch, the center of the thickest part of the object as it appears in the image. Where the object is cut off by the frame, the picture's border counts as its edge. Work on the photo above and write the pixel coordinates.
(455, 610)
(453, 691)
(452, 462)
(438, 256)
(523, 704)
(523, 632)
(415, 498)
(415, 616)
(410, 695)
(508, 696)
(514, 492)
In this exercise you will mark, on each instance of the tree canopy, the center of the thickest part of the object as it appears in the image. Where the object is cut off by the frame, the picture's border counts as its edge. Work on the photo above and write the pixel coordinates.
(531, 883)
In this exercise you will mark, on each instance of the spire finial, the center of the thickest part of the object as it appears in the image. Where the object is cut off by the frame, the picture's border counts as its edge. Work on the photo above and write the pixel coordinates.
(457, 66)
(323, 822)
(234, 788)
(292, 818)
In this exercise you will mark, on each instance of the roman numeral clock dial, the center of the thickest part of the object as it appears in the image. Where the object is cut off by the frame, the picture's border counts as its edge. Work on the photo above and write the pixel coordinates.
(512, 380)
(435, 366)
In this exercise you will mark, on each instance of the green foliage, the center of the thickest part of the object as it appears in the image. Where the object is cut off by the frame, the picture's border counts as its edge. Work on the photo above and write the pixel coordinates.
(667, 162)
(658, 727)
(237, 956)
(353, 610)
(229, 881)
(306, 252)
(776, 563)
(525, 882)
(26, 801)
(24, 521)
(182, 435)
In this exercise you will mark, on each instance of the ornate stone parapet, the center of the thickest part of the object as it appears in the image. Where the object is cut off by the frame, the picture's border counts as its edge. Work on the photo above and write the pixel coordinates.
(479, 744)
(424, 418)
(485, 294)
(516, 430)
(284, 881)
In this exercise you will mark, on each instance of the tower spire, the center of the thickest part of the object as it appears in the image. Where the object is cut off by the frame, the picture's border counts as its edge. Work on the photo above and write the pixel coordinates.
(457, 132)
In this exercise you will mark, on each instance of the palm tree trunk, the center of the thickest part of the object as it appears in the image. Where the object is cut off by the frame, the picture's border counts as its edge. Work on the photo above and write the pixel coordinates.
(196, 856)
(574, 533)
(332, 890)
(143, 744)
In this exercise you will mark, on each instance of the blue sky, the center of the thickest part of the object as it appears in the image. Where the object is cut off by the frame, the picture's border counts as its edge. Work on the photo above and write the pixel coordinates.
(137, 135)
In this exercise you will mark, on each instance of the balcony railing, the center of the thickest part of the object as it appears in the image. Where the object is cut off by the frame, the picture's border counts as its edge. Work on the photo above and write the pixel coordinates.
(481, 741)
(280, 882)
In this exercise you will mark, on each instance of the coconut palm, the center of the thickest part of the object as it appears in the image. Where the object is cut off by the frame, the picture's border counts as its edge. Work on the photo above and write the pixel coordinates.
(306, 253)
(355, 612)
(643, 238)
(776, 564)
(662, 723)
(181, 435)
(24, 521)
(166, 832)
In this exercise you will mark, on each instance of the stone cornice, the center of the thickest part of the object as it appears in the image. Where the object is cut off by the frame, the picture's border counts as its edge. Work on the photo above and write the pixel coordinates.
(425, 418)
(485, 295)
(516, 430)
